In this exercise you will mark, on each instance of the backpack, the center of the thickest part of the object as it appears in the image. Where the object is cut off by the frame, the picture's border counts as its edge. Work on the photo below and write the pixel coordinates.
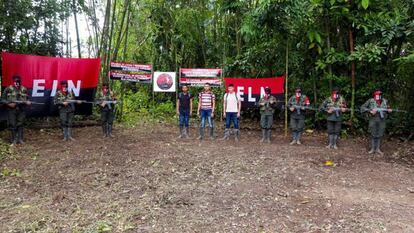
(237, 99)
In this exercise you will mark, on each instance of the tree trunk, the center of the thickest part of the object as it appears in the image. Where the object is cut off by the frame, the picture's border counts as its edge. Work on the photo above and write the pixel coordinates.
(95, 27)
(328, 44)
(77, 28)
(124, 59)
(105, 27)
(102, 52)
(353, 81)
(121, 27)
(286, 86)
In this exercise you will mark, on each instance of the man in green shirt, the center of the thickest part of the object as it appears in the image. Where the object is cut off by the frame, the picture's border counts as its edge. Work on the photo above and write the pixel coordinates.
(65, 100)
(16, 99)
(267, 106)
(378, 109)
(334, 106)
(106, 100)
(297, 104)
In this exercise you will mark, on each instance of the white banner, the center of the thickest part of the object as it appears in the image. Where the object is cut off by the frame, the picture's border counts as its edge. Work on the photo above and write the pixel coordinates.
(164, 82)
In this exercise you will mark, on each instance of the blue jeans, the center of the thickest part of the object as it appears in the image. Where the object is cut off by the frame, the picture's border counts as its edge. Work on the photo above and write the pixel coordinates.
(206, 114)
(184, 118)
(232, 117)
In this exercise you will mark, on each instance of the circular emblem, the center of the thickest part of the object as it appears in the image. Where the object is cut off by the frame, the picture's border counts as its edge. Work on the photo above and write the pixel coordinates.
(165, 81)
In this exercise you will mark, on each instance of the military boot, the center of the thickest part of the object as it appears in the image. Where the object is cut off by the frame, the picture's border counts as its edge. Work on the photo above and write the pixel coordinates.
(13, 135)
(69, 137)
(65, 133)
(335, 140)
(181, 132)
(212, 133)
(377, 146)
(237, 135)
(373, 146)
(226, 134)
(201, 137)
(330, 139)
(298, 136)
(110, 131)
(294, 136)
(268, 135)
(186, 132)
(20, 135)
(263, 135)
(105, 130)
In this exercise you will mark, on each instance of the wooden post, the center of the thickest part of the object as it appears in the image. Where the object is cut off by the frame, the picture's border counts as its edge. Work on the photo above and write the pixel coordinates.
(124, 59)
(222, 106)
(286, 87)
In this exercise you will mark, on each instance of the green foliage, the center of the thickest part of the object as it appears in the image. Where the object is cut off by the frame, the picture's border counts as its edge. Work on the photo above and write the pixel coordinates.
(368, 52)
(103, 226)
(139, 105)
(5, 150)
(32, 26)
(7, 172)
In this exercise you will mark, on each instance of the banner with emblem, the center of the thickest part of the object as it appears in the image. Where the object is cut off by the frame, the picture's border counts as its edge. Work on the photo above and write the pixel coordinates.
(252, 89)
(164, 82)
(41, 75)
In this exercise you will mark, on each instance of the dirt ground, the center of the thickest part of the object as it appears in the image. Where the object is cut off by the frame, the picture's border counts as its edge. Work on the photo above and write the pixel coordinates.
(147, 180)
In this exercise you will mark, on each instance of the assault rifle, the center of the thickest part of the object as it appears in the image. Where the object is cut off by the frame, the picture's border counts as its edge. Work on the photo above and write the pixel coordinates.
(268, 104)
(19, 102)
(298, 108)
(107, 103)
(77, 101)
(382, 110)
(337, 110)
(73, 102)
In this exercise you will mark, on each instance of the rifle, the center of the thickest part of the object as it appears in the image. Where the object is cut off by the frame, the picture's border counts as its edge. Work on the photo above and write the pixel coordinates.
(267, 104)
(19, 102)
(382, 110)
(73, 102)
(298, 108)
(77, 101)
(339, 109)
(107, 103)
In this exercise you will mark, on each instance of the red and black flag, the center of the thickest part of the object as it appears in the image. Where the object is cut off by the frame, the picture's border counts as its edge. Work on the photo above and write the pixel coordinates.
(252, 89)
(42, 75)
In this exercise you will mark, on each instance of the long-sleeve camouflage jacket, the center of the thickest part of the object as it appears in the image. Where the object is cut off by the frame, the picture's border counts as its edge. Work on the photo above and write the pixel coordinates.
(330, 103)
(371, 104)
(303, 102)
(267, 105)
(109, 96)
(12, 93)
(60, 97)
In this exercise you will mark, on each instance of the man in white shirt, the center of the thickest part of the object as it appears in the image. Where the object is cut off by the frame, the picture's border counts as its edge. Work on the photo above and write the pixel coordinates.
(231, 111)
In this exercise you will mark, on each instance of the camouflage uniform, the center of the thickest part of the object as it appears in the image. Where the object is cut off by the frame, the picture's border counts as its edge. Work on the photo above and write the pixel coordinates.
(376, 123)
(17, 115)
(107, 112)
(334, 119)
(297, 117)
(267, 109)
(66, 113)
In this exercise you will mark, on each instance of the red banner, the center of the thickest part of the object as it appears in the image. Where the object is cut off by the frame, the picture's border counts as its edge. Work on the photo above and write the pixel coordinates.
(42, 75)
(252, 89)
